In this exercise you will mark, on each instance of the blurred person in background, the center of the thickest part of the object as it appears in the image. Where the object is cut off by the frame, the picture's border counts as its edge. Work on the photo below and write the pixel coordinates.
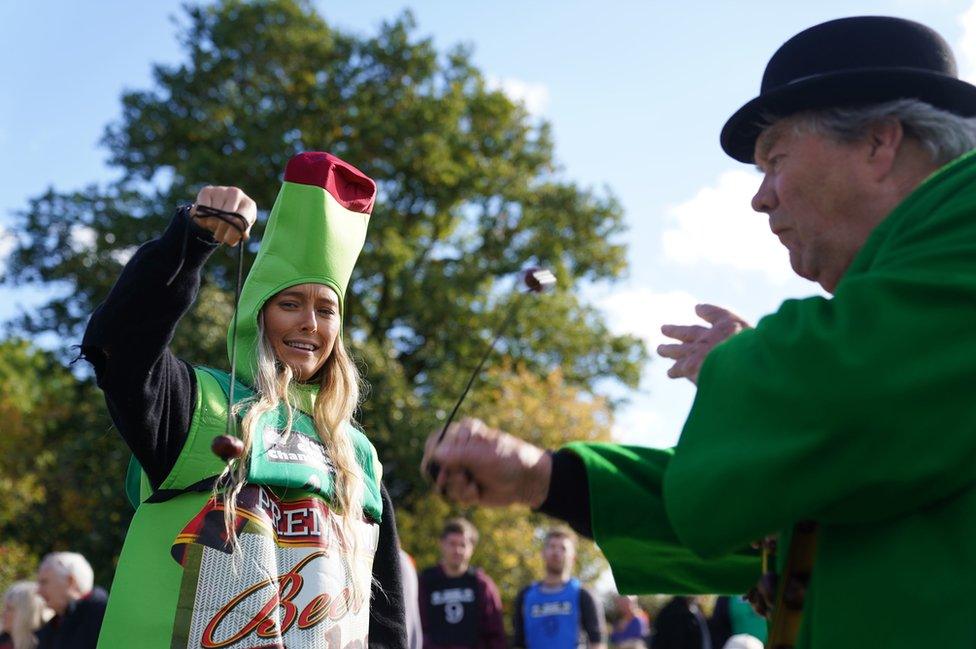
(23, 614)
(743, 641)
(67, 584)
(558, 612)
(680, 625)
(632, 625)
(411, 601)
(460, 606)
(733, 616)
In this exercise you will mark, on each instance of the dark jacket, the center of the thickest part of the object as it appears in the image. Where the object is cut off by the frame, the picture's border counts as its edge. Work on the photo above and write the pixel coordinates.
(79, 626)
(680, 625)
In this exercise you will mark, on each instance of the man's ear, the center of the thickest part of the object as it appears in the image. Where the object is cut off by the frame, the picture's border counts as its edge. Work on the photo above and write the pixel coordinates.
(884, 139)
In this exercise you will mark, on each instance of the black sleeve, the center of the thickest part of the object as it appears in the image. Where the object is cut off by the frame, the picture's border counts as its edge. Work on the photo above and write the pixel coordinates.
(387, 613)
(518, 622)
(149, 392)
(591, 617)
(569, 493)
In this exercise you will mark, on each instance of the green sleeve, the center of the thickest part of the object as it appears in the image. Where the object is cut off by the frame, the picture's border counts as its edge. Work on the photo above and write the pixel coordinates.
(632, 529)
(848, 410)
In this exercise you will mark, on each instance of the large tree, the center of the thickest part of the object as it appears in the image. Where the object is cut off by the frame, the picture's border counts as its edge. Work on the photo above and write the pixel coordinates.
(469, 193)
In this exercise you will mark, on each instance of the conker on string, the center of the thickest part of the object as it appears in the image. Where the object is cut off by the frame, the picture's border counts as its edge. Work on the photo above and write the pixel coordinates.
(227, 447)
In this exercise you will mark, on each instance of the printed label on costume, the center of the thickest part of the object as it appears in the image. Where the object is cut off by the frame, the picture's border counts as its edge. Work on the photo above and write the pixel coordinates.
(290, 585)
(294, 459)
(295, 448)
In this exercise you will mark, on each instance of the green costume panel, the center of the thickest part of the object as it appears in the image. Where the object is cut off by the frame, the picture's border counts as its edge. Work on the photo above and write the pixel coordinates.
(148, 571)
(856, 412)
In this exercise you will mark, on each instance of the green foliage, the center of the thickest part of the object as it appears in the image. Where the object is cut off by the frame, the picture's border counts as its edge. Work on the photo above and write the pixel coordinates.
(60, 467)
(469, 193)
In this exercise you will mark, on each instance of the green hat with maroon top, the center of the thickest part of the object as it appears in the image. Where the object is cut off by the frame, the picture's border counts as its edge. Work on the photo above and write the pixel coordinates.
(314, 235)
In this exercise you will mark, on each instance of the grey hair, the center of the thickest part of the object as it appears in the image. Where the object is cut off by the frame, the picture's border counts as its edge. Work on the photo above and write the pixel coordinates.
(945, 135)
(71, 564)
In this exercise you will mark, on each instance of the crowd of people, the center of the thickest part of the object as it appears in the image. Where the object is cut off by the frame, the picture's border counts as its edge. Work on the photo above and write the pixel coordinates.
(460, 607)
(450, 605)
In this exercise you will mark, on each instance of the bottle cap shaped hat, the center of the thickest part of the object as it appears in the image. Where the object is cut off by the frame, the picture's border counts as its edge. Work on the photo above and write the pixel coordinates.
(314, 235)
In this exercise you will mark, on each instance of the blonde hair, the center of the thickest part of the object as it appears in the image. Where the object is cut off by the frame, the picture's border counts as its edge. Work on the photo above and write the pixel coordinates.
(335, 405)
(29, 613)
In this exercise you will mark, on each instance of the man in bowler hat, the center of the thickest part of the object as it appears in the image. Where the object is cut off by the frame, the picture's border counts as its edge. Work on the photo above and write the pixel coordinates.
(848, 421)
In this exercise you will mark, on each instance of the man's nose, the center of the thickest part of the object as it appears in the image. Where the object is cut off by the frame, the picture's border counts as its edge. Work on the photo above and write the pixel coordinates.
(765, 199)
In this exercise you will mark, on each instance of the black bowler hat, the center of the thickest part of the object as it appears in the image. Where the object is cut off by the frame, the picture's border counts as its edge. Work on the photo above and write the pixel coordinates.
(851, 61)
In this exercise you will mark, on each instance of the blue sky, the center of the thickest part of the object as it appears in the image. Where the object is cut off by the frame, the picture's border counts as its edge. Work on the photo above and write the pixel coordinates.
(636, 93)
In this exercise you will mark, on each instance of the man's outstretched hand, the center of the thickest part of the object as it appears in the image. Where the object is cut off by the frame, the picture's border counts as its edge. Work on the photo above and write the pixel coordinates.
(483, 466)
(696, 341)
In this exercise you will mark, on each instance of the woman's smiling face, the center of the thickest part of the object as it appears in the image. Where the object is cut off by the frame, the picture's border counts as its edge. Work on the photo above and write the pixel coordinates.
(302, 324)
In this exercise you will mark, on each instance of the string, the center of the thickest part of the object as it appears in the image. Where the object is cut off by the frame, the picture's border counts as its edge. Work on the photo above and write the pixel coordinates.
(239, 223)
(433, 468)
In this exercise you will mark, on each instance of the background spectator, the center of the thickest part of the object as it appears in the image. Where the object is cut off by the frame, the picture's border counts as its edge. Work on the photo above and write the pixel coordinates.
(734, 616)
(680, 625)
(66, 582)
(411, 601)
(632, 625)
(23, 614)
(460, 606)
(743, 641)
(557, 612)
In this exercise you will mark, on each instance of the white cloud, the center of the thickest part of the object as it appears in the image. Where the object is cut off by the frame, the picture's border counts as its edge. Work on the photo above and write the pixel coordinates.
(966, 47)
(653, 416)
(717, 227)
(654, 419)
(6, 245)
(82, 238)
(641, 312)
(534, 96)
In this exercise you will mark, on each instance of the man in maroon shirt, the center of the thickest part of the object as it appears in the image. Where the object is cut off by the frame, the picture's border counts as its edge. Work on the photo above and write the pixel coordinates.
(460, 606)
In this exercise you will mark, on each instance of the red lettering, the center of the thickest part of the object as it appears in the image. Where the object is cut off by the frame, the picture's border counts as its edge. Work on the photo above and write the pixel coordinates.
(289, 586)
(315, 612)
(262, 622)
(339, 605)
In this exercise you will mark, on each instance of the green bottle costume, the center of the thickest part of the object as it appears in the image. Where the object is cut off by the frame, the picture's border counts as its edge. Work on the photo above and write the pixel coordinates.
(176, 585)
(857, 412)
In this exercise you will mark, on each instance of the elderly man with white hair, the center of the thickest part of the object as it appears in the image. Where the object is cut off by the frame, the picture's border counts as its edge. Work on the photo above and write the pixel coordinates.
(66, 582)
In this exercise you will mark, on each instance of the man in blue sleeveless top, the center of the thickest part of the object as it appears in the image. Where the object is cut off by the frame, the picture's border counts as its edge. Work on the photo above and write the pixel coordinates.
(557, 612)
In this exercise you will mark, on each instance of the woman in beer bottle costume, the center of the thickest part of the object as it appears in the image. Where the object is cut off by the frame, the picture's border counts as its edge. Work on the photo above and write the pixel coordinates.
(293, 544)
